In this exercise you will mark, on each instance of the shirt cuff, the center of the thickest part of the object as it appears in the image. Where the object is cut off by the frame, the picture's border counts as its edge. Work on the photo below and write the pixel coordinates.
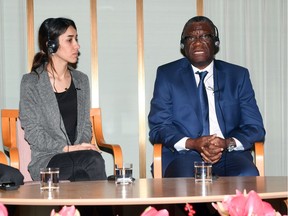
(180, 145)
(239, 145)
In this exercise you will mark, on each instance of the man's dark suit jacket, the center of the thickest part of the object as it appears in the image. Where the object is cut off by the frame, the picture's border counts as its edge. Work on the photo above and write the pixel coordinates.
(175, 111)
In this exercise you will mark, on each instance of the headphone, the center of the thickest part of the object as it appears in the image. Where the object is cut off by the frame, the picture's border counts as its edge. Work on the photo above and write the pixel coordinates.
(216, 38)
(52, 45)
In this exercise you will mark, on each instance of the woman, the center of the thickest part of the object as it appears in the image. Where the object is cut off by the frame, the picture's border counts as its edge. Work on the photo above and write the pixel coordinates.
(55, 107)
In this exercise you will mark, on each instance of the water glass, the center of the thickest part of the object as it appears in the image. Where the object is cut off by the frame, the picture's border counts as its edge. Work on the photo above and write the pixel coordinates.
(124, 174)
(49, 179)
(203, 171)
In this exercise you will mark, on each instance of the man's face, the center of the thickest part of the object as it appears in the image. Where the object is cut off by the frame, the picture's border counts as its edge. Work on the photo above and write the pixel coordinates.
(199, 44)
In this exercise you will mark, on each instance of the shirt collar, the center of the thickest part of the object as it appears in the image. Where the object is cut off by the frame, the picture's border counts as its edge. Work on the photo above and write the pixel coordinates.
(209, 68)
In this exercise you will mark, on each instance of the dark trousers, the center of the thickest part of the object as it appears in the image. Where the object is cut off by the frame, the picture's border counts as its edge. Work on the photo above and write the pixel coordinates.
(235, 163)
(86, 165)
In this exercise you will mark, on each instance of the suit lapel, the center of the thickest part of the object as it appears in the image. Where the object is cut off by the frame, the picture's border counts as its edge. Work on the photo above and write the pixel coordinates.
(191, 87)
(219, 82)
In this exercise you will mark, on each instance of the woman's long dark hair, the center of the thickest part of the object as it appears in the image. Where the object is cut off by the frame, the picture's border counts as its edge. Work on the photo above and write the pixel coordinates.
(50, 29)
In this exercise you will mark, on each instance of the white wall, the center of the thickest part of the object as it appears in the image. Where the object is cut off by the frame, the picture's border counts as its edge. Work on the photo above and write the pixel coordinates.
(13, 51)
(252, 34)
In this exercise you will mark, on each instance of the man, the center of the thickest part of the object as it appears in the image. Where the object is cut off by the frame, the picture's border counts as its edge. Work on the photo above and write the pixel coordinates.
(221, 130)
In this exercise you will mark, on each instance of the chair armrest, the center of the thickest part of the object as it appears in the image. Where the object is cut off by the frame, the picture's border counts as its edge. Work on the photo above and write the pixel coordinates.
(113, 149)
(259, 157)
(157, 160)
(3, 159)
(14, 158)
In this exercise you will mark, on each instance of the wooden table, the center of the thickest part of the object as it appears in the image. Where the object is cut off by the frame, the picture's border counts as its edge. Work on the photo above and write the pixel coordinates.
(145, 191)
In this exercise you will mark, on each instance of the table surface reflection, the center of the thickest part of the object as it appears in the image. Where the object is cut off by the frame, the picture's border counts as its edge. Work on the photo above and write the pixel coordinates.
(145, 191)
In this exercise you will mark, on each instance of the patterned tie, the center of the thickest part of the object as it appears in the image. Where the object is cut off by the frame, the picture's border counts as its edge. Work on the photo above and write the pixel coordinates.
(204, 103)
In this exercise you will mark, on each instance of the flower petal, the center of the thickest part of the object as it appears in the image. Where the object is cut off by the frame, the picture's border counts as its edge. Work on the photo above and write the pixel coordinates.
(3, 210)
(221, 209)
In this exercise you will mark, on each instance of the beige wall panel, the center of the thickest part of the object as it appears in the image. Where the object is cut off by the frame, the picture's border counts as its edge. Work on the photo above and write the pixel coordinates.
(118, 76)
(162, 31)
(79, 13)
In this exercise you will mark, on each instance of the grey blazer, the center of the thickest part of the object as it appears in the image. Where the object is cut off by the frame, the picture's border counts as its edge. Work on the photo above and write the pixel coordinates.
(41, 120)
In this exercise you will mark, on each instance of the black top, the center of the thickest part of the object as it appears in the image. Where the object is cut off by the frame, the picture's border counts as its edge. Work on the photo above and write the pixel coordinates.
(67, 102)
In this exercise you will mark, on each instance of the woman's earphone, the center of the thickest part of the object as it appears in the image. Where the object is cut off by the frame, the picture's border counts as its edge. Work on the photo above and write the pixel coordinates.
(52, 45)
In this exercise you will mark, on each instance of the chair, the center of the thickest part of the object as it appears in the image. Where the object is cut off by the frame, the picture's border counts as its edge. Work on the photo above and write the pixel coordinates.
(9, 136)
(258, 153)
(3, 159)
(14, 142)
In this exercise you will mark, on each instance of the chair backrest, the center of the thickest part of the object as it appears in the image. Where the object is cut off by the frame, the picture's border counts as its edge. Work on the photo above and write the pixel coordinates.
(14, 142)
(9, 135)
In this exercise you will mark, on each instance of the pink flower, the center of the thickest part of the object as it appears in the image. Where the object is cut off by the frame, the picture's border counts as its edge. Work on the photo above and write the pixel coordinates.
(254, 205)
(66, 211)
(243, 205)
(3, 210)
(188, 207)
(151, 211)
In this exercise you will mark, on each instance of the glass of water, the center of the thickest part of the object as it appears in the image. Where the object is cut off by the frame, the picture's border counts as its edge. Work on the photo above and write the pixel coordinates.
(124, 174)
(49, 179)
(203, 171)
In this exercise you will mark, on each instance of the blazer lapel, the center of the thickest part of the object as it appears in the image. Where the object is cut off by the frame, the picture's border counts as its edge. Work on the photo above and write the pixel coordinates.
(80, 104)
(49, 101)
(191, 87)
(219, 78)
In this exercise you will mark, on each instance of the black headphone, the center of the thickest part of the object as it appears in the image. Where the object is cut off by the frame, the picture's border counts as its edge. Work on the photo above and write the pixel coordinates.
(52, 45)
(216, 38)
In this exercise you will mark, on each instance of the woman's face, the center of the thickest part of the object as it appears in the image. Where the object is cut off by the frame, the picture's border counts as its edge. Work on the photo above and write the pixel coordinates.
(68, 49)
(199, 44)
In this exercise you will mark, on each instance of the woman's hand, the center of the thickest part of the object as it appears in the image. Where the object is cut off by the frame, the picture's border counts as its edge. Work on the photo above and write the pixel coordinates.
(82, 146)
